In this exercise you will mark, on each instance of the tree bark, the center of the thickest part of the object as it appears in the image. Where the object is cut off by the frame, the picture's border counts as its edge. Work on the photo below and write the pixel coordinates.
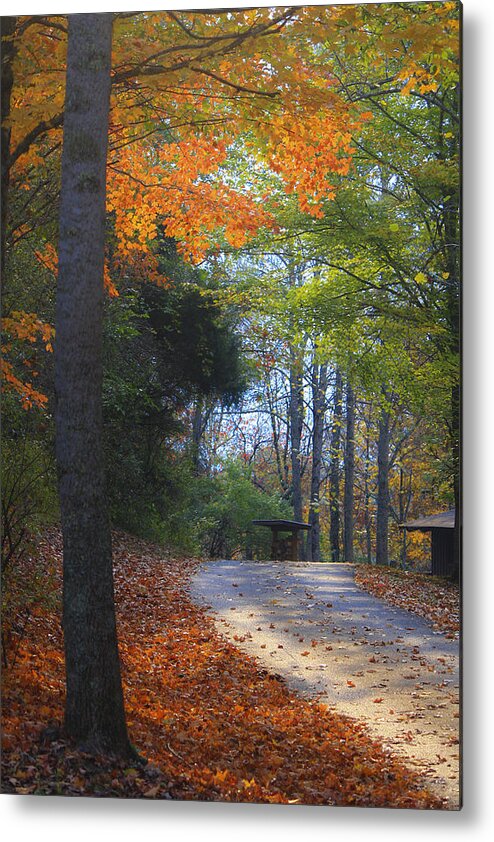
(201, 415)
(197, 430)
(334, 474)
(7, 29)
(296, 424)
(348, 496)
(94, 712)
(280, 450)
(448, 145)
(319, 387)
(452, 247)
(404, 500)
(367, 496)
(296, 411)
(382, 490)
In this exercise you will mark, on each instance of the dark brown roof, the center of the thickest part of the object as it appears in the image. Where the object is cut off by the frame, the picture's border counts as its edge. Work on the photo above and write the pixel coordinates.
(443, 520)
(288, 525)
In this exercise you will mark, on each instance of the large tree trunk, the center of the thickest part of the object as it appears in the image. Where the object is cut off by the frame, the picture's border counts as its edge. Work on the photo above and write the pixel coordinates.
(7, 28)
(382, 490)
(94, 712)
(319, 386)
(348, 497)
(334, 473)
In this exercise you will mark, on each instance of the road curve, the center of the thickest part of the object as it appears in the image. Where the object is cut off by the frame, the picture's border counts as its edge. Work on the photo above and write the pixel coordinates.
(312, 625)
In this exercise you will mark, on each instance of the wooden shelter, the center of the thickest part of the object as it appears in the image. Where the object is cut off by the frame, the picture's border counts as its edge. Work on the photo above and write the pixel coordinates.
(441, 527)
(284, 549)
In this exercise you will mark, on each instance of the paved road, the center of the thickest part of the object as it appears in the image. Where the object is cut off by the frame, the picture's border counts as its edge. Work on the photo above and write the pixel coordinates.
(327, 638)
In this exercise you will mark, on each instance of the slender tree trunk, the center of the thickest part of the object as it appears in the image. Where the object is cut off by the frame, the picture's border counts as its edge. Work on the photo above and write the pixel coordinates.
(296, 411)
(448, 145)
(281, 460)
(452, 247)
(7, 28)
(296, 424)
(94, 712)
(382, 490)
(404, 498)
(348, 497)
(367, 497)
(319, 387)
(454, 314)
(196, 434)
(456, 448)
(334, 473)
(199, 423)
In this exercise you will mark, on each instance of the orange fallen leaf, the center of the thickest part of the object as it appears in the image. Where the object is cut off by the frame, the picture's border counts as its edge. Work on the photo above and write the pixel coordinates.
(152, 792)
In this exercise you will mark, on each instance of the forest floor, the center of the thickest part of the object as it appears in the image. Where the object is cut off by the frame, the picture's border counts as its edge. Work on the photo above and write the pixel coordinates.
(212, 722)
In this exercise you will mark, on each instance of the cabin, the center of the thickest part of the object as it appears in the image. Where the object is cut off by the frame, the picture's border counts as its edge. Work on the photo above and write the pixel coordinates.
(442, 529)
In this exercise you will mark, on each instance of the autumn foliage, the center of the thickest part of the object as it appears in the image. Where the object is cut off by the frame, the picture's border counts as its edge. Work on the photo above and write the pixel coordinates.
(211, 724)
(186, 88)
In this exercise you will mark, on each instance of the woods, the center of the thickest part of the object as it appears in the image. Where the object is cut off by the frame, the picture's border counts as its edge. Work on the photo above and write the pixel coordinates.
(231, 261)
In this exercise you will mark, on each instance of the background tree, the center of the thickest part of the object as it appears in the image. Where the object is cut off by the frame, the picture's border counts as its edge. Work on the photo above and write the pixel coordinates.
(348, 504)
(171, 356)
(334, 470)
(319, 386)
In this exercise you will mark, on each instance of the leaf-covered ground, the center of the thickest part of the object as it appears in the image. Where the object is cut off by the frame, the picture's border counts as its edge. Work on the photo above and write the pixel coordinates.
(211, 723)
(438, 600)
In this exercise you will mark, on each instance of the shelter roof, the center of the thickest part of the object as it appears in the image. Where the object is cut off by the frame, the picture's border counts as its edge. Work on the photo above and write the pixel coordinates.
(443, 520)
(287, 525)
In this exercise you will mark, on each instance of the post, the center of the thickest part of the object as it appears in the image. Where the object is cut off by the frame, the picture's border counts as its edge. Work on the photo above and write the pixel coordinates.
(295, 545)
(274, 543)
